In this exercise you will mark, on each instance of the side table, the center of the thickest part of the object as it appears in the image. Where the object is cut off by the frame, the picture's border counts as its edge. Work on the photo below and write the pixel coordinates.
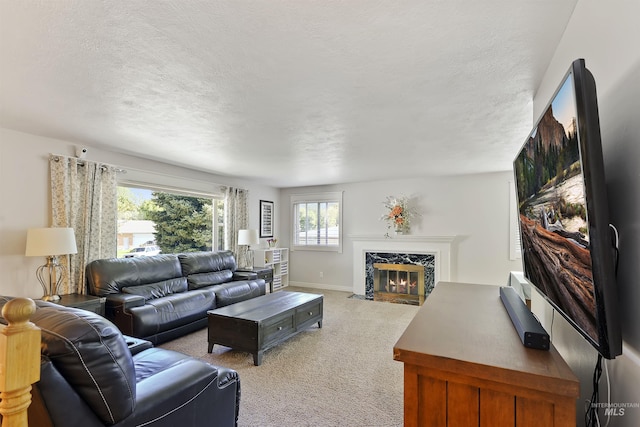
(265, 273)
(85, 302)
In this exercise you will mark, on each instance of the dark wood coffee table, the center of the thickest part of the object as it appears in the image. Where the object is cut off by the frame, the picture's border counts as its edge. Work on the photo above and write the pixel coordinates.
(260, 323)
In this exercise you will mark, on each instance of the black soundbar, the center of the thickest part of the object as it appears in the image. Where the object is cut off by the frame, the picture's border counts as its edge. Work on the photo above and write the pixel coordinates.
(531, 332)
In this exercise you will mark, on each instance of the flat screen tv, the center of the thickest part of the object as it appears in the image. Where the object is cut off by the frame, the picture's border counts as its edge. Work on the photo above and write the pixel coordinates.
(567, 246)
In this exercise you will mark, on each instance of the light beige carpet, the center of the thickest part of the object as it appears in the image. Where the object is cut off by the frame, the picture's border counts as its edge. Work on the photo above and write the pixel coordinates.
(340, 375)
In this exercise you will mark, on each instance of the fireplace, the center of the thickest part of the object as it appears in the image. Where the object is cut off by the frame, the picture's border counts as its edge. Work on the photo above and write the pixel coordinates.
(398, 283)
(399, 277)
(431, 253)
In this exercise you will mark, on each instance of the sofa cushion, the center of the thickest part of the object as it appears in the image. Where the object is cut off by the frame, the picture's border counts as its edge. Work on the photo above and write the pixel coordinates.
(92, 355)
(158, 290)
(200, 280)
(163, 314)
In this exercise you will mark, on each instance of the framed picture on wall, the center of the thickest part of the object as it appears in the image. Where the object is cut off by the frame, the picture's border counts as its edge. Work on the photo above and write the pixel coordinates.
(266, 218)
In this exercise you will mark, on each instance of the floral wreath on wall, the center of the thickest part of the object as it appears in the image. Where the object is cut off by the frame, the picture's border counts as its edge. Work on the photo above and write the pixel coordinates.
(399, 214)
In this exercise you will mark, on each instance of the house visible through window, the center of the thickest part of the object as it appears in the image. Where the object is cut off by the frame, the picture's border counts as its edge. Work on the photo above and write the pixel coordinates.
(317, 221)
(152, 221)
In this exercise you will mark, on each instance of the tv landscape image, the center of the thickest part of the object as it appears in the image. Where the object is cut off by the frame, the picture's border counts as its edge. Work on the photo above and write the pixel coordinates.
(553, 214)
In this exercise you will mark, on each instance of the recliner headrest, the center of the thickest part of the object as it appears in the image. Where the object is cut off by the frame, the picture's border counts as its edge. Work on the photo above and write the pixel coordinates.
(92, 355)
(109, 276)
(206, 262)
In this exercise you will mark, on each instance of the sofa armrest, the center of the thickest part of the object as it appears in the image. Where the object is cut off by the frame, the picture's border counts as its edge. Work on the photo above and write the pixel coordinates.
(189, 389)
(117, 305)
(123, 302)
(136, 345)
(244, 275)
(117, 309)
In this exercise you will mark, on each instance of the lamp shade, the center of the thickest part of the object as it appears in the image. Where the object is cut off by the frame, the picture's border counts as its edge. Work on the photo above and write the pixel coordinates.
(248, 237)
(50, 241)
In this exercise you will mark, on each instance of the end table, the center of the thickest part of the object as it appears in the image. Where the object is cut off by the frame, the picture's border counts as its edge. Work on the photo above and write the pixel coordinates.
(265, 273)
(85, 302)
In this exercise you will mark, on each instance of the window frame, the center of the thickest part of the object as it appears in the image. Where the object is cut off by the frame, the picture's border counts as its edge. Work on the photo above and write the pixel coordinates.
(328, 197)
(216, 198)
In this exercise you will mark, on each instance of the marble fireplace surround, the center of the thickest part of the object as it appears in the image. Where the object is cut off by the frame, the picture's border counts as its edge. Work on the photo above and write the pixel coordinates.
(439, 246)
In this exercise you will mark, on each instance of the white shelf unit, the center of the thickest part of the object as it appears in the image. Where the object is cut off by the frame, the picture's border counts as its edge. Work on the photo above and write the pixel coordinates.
(278, 260)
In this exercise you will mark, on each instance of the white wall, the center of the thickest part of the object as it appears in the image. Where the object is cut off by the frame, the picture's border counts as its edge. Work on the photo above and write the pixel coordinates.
(25, 200)
(473, 207)
(606, 35)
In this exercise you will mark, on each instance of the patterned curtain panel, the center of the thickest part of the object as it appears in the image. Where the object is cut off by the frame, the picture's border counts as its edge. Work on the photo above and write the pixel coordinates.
(84, 197)
(236, 217)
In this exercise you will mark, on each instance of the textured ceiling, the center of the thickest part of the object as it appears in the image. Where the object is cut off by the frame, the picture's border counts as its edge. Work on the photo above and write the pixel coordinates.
(287, 92)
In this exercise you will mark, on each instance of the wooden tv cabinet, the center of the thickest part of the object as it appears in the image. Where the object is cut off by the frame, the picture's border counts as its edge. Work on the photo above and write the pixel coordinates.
(464, 365)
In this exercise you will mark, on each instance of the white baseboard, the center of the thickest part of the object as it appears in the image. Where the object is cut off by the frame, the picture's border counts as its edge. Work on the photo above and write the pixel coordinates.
(321, 286)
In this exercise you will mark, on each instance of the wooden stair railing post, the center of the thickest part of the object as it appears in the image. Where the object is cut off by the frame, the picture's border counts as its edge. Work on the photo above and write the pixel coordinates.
(19, 361)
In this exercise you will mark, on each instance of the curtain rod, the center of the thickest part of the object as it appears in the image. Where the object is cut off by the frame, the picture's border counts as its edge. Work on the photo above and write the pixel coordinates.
(57, 157)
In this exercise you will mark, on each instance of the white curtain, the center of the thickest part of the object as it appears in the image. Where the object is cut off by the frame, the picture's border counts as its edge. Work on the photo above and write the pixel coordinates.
(236, 217)
(84, 197)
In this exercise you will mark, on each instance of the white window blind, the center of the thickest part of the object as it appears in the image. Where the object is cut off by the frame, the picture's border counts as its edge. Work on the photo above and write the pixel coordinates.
(317, 221)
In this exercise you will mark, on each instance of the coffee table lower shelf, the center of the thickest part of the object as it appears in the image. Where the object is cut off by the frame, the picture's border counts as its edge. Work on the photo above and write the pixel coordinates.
(260, 323)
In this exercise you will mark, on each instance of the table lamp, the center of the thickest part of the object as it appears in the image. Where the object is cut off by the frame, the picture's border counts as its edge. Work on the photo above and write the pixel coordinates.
(50, 242)
(248, 238)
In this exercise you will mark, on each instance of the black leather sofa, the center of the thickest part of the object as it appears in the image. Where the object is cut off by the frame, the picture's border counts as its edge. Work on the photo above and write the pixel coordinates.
(159, 298)
(92, 375)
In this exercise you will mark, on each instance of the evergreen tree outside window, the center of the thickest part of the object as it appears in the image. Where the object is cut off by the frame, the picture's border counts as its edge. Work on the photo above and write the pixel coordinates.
(176, 223)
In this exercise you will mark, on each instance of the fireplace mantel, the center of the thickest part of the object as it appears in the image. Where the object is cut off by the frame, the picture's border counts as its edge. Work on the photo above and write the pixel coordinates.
(403, 238)
(440, 246)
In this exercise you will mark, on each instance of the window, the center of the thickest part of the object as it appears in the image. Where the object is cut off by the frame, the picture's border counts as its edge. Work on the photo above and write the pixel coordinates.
(317, 221)
(154, 220)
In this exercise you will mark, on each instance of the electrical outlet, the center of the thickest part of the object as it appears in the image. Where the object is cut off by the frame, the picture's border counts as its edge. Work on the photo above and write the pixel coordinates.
(321, 274)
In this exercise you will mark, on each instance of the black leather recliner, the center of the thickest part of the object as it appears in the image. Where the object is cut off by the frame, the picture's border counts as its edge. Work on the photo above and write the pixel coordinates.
(91, 377)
